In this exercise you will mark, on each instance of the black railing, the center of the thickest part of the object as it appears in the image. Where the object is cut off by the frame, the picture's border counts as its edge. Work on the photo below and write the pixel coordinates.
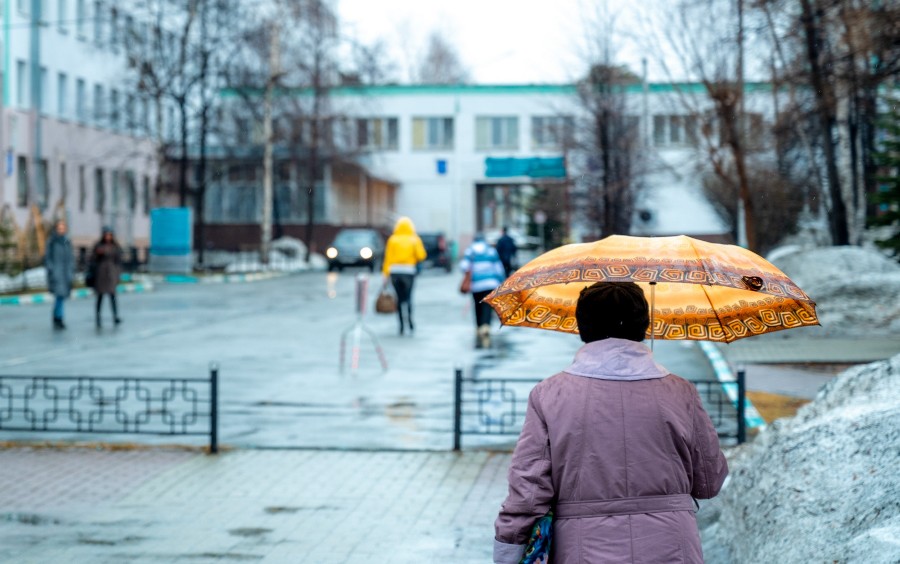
(111, 405)
(496, 406)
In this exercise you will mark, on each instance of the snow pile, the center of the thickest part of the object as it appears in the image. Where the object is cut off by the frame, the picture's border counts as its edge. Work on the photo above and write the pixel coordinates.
(30, 279)
(857, 291)
(822, 486)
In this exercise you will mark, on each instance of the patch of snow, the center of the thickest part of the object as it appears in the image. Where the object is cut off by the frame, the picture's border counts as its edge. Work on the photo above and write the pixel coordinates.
(821, 486)
(857, 291)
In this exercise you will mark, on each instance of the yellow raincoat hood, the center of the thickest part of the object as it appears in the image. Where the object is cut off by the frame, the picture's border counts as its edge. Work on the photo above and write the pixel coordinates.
(404, 249)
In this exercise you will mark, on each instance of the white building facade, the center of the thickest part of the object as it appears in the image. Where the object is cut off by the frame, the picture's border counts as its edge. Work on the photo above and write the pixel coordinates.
(457, 152)
(77, 137)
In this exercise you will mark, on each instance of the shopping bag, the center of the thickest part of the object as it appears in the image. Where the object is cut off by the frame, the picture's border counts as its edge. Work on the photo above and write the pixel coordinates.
(538, 549)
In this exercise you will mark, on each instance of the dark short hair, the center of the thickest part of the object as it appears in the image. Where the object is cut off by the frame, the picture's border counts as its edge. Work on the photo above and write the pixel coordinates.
(612, 309)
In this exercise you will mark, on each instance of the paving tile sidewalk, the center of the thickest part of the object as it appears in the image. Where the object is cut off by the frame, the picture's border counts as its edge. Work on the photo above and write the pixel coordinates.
(273, 506)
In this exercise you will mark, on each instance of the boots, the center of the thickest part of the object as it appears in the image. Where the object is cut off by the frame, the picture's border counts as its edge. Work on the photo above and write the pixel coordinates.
(484, 337)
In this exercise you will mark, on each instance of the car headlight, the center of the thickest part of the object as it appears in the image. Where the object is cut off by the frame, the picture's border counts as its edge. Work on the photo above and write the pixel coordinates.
(365, 253)
(331, 253)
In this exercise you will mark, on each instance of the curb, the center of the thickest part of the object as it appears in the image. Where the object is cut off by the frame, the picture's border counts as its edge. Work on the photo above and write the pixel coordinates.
(211, 279)
(76, 294)
(724, 374)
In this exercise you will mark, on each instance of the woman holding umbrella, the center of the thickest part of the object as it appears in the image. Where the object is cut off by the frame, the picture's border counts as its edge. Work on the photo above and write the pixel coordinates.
(615, 446)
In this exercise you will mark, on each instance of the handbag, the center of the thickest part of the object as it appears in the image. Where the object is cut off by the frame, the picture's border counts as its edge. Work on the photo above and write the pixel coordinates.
(90, 277)
(386, 302)
(537, 551)
(466, 285)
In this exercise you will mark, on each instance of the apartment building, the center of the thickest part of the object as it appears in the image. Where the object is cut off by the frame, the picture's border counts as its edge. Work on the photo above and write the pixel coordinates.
(79, 140)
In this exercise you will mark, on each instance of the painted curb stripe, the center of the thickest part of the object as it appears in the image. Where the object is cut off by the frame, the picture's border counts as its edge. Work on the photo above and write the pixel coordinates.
(724, 374)
(77, 293)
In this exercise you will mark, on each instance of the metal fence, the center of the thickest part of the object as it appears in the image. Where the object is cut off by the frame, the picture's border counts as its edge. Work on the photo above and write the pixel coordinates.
(496, 406)
(111, 405)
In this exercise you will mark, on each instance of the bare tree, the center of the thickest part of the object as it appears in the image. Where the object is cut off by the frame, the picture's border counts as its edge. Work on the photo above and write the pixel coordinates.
(837, 54)
(441, 63)
(606, 139)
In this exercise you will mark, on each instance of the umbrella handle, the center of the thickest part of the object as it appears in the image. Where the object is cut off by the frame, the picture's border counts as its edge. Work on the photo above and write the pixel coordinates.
(652, 313)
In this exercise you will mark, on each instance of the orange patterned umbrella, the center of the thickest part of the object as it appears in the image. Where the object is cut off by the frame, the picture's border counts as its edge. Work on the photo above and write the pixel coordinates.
(700, 291)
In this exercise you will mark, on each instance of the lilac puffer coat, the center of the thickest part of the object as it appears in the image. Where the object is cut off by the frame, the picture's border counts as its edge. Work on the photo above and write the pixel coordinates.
(616, 446)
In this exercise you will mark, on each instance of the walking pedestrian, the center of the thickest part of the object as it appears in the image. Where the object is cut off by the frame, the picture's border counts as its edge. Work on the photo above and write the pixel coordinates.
(615, 446)
(507, 249)
(482, 272)
(107, 264)
(59, 260)
(402, 254)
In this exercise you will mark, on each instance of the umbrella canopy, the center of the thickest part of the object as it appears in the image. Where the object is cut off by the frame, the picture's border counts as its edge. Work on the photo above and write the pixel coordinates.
(703, 291)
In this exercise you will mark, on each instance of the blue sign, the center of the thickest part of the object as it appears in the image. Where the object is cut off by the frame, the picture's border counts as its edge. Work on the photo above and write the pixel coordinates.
(170, 232)
(442, 166)
(535, 167)
(9, 162)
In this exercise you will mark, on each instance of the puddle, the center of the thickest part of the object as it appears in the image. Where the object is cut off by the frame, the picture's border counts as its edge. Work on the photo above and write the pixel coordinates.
(29, 519)
(249, 532)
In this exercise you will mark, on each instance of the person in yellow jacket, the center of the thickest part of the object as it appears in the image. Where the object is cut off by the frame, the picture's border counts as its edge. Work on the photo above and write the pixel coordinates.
(404, 250)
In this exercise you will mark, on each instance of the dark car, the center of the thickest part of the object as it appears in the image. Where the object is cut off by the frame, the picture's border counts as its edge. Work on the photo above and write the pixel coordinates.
(356, 247)
(436, 249)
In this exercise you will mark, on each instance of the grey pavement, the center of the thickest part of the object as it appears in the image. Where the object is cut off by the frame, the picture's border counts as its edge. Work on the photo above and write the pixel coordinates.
(79, 505)
(277, 343)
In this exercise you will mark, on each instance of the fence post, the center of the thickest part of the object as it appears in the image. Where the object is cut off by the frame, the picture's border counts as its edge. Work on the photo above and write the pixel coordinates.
(741, 407)
(214, 408)
(457, 409)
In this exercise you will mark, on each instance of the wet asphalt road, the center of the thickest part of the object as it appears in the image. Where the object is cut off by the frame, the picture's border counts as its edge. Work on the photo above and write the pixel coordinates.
(277, 343)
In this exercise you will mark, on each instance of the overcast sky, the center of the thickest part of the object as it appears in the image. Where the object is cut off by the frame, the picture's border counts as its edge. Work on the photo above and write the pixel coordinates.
(499, 41)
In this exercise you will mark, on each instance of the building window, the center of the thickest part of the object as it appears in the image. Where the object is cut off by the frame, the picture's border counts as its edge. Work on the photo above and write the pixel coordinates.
(62, 86)
(98, 22)
(22, 187)
(146, 193)
(82, 189)
(44, 101)
(116, 188)
(130, 191)
(21, 84)
(80, 18)
(676, 130)
(691, 130)
(497, 133)
(62, 14)
(98, 104)
(551, 132)
(432, 133)
(80, 100)
(659, 130)
(145, 115)
(114, 29)
(129, 112)
(63, 184)
(99, 191)
(170, 123)
(114, 108)
(377, 133)
(43, 185)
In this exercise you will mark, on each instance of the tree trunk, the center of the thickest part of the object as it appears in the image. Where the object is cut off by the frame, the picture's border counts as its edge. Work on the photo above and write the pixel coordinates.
(825, 113)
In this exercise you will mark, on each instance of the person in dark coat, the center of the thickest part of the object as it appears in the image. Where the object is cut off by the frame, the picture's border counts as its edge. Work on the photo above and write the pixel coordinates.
(615, 445)
(59, 261)
(107, 265)
(507, 249)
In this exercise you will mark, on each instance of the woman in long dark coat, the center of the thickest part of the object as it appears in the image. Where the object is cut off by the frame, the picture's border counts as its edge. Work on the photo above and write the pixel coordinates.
(107, 264)
(60, 264)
